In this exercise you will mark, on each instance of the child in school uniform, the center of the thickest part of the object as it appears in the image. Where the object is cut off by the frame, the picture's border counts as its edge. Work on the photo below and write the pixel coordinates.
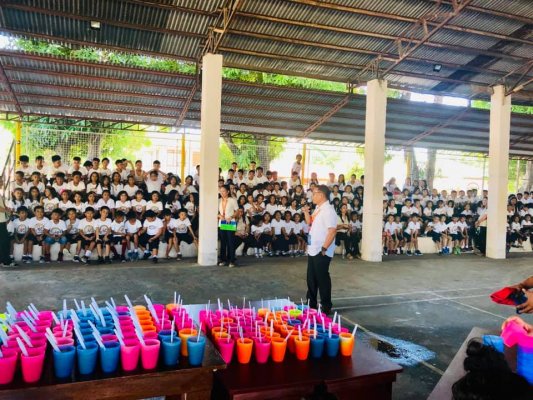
(54, 232)
(132, 226)
(391, 241)
(21, 234)
(72, 234)
(138, 204)
(301, 237)
(103, 235)
(37, 227)
(183, 232)
(526, 228)
(456, 238)
(87, 231)
(463, 229)
(150, 234)
(118, 229)
(445, 235)
(279, 243)
(411, 233)
(257, 232)
(399, 234)
(516, 235)
(288, 233)
(434, 230)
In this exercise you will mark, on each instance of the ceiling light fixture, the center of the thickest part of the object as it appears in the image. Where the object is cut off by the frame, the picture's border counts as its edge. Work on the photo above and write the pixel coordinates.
(95, 25)
(437, 67)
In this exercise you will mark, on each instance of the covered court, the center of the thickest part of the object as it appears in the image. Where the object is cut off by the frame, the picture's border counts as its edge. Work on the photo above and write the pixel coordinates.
(417, 312)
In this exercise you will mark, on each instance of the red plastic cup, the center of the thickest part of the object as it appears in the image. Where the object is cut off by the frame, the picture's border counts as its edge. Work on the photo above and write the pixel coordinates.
(150, 353)
(261, 349)
(129, 354)
(32, 365)
(8, 364)
(226, 347)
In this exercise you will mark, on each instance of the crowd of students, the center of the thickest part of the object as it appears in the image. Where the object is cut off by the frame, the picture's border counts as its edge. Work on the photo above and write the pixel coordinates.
(90, 207)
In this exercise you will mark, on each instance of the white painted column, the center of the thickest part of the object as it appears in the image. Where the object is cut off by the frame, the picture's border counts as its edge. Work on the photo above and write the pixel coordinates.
(376, 113)
(500, 127)
(209, 149)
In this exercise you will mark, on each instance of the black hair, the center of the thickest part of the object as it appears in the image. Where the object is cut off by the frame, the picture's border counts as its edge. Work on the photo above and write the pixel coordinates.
(149, 214)
(24, 159)
(76, 173)
(166, 212)
(56, 158)
(89, 209)
(76, 158)
(131, 215)
(22, 209)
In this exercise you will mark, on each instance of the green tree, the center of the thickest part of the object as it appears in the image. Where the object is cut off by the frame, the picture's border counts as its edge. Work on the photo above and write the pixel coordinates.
(245, 148)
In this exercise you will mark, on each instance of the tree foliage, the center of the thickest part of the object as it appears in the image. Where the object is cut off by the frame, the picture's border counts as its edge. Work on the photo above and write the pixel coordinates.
(249, 147)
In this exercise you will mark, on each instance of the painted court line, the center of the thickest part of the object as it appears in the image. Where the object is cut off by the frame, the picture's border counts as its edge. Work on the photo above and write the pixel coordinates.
(375, 335)
(438, 298)
(472, 307)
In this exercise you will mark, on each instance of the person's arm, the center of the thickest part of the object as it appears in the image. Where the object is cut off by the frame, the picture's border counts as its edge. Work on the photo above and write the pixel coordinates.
(158, 234)
(330, 237)
(192, 234)
(307, 216)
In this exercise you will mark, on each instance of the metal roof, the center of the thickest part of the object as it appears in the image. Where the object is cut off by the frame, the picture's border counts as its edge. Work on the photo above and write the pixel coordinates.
(480, 43)
(67, 88)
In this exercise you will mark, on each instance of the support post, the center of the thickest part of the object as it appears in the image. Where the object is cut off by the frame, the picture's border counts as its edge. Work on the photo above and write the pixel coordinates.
(18, 142)
(182, 176)
(304, 159)
(500, 127)
(375, 120)
(209, 156)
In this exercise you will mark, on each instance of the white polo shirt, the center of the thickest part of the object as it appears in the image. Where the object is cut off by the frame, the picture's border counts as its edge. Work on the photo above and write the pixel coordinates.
(323, 218)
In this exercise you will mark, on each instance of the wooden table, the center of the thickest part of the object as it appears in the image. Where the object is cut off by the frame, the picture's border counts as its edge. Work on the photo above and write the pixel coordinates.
(455, 371)
(366, 375)
(181, 382)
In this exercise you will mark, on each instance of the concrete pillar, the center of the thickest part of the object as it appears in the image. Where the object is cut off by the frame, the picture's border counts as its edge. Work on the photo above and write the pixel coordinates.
(500, 126)
(376, 113)
(209, 149)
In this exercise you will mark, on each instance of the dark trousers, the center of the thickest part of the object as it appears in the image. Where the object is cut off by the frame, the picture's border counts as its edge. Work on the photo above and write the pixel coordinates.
(318, 280)
(481, 240)
(227, 246)
(5, 246)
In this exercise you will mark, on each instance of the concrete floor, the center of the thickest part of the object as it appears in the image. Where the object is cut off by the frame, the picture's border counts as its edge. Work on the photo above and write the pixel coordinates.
(422, 308)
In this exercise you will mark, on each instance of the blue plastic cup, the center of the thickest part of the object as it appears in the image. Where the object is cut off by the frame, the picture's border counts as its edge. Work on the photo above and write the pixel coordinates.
(89, 338)
(317, 346)
(87, 358)
(196, 349)
(105, 331)
(494, 341)
(86, 332)
(109, 357)
(105, 311)
(166, 334)
(84, 325)
(64, 361)
(171, 350)
(332, 345)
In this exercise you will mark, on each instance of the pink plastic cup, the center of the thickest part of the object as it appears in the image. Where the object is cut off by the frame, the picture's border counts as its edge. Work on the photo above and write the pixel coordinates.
(39, 344)
(37, 336)
(262, 349)
(32, 365)
(109, 338)
(150, 353)
(60, 330)
(150, 335)
(129, 354)
(226, 349)
(8, 364)
(65, 341)
(59, 335)
(512, 334)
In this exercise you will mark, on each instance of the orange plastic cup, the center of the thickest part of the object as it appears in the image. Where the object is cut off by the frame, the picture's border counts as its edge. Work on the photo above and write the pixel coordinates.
(171, 306)
(278, 348)
(290, 343)
(274, 334)
(139, 308)
(347, 343)
(262, 312)
(218, 329)
(221, 336)
(302, 348)
(148, 328)
(244, 350)
(185, 334)
(226, 320)
(308, 332)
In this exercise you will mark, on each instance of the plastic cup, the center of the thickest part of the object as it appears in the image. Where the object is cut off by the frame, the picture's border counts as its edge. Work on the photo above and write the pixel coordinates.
(8, 364)
(139, 308)
(129, 355)
(184, 335)
(104, 331)
(278, 348)
(171, 350)
(347, 342)
(332, 345)
(65, 342)
(39, 344)
(221, 336)
(494, 341)
(64, 361)
(109, 338)
(150, 353)
(317, 346)
(87, 358)
(150, 335)
(109, 357)
(244, 350)
(225, 348)
(302, 348)
(32, 365)
(262, 349)
(196, 350)
(166, 333)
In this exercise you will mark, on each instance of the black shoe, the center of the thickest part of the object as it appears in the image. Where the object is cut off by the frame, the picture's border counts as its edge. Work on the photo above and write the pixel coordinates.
(179, 257)
(123, 259)
(100, 260)
(107, 260)
(154, 260)
(146, 256)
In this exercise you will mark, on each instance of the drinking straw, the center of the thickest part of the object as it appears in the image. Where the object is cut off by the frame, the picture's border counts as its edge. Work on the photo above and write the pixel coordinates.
(172, 328)
(271, 327)
(24, 336)
(262, 305)
(340, 326)
(314, 326)
(61, 320)
(3, 335)
(30, 317)
(22, 347)
(54, 317)
(179, 299)
(241, 335)
(302, 300)
(33, 313)
(208, 305)
(65, 330)
(64, 307)
(50, 336)
(128, 301)
(83, 308)
(28, 322)
(329, 333)
(243, 302)
(334, 318)
(175, 294)
(114, 304)
(299, 333)
(74, 316)
(151, 308)
(354, 330)
(140, 336)
(11, 310)
(199, 332)
(162, 318)
(219, 305)
(98, 339)
(320, 309)
(80, 337)
(229, 305)
(182, 320)
(289, 335)
(1, 354)
(77, 305)
(34, 308)
(119, 338)
(266, 317)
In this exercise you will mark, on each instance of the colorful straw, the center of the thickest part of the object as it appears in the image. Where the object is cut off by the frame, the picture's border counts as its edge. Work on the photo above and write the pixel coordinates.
(22, 347)
(24, 336)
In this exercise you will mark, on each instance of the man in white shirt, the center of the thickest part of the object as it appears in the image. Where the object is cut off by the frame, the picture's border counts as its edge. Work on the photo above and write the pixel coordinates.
(251, 181)
(323, 228)
(76, 166)
(24, 166)
(297, 166)
(56, 167)
(260, 178)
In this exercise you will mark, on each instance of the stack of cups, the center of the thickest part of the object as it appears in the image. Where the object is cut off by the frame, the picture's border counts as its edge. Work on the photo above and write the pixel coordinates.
(524, 359)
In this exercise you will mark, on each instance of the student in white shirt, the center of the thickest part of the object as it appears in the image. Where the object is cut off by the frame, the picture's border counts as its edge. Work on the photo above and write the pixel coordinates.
(87, 230)
(116, 184)
(289, 235)
(183, 232)
(106, 201)
(94, 184)
(411, 235)
(434, 230)
(153, 182)
(279, 242)
(390, 239)
(118, 229)
(72, 234)
(456, 237)
(132, 227)
(35, 180)
(103, 235)
(301, 236)
(122, 203)
(149, 235)
(49, 201)
(297, 165)
(130, 187)
(21, 228)
(65, 202)
(77, 167)
(138, 204)
(76, 184)
(154, 203)
(54, 232)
